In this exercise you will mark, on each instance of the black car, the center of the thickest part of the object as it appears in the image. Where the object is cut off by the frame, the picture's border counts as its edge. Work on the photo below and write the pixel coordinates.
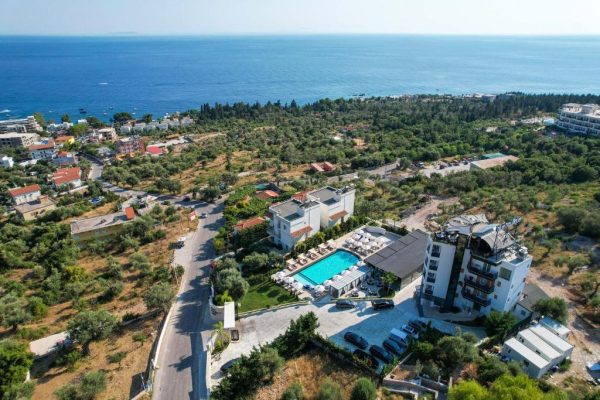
(186, 198)
(381, 353)
(225, 367)
(393, 347)
(363, 355)
(356, 340)
(418, 324)
(381, 304)
(345, 304)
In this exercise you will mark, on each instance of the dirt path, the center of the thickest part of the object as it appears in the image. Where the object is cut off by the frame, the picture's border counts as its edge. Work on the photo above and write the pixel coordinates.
(584, 337)
(417, 219)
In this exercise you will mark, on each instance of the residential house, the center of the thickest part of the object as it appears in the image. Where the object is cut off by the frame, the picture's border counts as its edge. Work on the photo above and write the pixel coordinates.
(7, 162)
(537, 349)
(101, 227)
(322, 167)
(43, 151)
(25, 194)
(15, 140)
(64, 158)
(267, 195)
(186, 121)
(475, 266)
(530, 295)
(107, 134)
(156, 151)
(67, 176)
(247, 224)
(63, 140)
(316, 167)
(139, 127)
(125, 129)
(63, 126)
(36, 208)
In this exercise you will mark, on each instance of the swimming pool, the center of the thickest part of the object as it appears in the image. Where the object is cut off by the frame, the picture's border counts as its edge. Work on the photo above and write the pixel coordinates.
(326, 268)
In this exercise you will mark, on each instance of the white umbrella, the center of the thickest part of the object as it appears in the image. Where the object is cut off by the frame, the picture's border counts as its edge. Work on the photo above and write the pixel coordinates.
(365, 240)
(288, 279)
(319, 288)
(279, 275)
(360, 232)
(381, 239)
(354, 268)
(345, 272)
(349, 240)
(328, 282)
(337, 277)
(360, 263)
(298, 286)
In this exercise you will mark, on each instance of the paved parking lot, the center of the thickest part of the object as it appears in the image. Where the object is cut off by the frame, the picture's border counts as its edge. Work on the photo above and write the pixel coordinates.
(374, 326)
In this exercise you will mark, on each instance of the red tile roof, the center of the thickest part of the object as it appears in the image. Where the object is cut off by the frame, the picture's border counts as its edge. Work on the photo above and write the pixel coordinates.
(63, 176)
(266, 195)
(316, 167)
(129, 213)
(301, 195)
(301, 231)
(24, 190)
(61, 139)
(327, 166)
(338, 215)
(249, 223)
(155, 150)
(44, 146)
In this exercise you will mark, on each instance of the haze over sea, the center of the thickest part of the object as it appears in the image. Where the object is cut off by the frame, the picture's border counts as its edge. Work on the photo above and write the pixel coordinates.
(57, 75)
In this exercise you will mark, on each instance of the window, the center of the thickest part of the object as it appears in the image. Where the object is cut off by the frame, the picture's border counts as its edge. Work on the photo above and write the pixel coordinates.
(505, 273)
(433, 265)
(495, 296)
(523, 312)
(435, 252)
(526, 363)
(499, 284)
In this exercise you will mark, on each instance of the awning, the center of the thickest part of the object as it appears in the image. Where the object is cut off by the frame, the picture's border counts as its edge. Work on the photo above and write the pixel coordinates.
(301, 231)
(338, 215)
(229, 315)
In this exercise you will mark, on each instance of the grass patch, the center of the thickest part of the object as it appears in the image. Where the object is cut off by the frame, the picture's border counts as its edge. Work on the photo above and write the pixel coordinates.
(263, 294)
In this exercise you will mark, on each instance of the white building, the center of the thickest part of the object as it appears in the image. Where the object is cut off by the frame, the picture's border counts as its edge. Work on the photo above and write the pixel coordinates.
(305, 214)
(21, 125)
(537, 349)
(186, 121)
(43, 151)
(580, 118)
(7, 162)
(63, 126)
(139, 127)
(336, 204)
(125, 129)
(475, 266)
(17, 140)
(25, 194)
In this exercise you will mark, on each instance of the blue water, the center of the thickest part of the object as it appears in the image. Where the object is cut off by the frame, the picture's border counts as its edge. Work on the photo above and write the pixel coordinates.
(57, 75)
(326, 268)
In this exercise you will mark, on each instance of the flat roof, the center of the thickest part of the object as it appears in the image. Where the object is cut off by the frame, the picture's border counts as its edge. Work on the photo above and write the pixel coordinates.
(325, 195)
(551, 338)
(555, 326)
(530, 295)
(494, 162)
(403, 256)
(526, 352)
(290, 209)
(539, 343)
(103, 221)
(229, 315)
(42, 202)
(350, 277)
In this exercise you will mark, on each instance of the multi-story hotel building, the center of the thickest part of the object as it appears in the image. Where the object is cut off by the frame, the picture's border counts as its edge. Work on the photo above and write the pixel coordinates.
(475, 266)
(580, 118)
(17, 140)
(21, 125)
(302, 216)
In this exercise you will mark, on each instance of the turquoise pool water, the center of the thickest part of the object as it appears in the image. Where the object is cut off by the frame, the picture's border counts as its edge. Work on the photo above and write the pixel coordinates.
(326, 268)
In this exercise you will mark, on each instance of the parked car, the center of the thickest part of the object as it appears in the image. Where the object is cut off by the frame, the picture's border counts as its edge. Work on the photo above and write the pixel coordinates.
(418, 324)
(345, 303)
(363, 355)
(186, 198)
(381, 304)
(393, 347)
(225, 367)
(373, 292)
(400, 337)
(356, 340)
(203, 215)
(381, 353)
(409, 329)
(354, 294)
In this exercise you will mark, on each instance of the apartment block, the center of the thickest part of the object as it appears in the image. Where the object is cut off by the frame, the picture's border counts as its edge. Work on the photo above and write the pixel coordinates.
(130, 145)
(16, 140)
(475, 266)
(21, 125)
(25, 194)
(43, 151)
(336, 204)
(580, 118)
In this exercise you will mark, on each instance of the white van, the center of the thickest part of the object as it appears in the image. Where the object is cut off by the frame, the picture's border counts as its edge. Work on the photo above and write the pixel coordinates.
(400, 337)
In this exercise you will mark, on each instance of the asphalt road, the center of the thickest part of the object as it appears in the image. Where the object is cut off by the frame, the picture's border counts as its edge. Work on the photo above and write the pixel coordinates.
(181, 362)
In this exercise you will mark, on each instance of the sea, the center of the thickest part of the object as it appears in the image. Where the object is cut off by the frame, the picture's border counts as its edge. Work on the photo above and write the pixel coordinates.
(158, 75)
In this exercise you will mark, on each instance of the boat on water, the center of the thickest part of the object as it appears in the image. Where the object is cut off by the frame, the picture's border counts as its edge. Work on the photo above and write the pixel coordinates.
(82, 111)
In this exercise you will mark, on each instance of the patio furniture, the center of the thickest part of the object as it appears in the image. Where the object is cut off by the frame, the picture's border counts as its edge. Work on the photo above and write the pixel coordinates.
(322, 249)
(313, 254)
(328, 282)
(331, 244)
(291, 264)
(302, 259)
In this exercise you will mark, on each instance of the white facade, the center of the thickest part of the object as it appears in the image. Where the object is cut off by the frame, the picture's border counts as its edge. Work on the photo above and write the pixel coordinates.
(478, 269)
(294, 221)
(336, 205)
(125, 129)
(580, 118)
(27, 197)
(7, 162)
(537, 349)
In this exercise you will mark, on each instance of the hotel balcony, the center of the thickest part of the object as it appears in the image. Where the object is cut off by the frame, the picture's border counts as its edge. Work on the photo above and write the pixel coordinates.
(484, 287)
(480, 272)
(475, 299)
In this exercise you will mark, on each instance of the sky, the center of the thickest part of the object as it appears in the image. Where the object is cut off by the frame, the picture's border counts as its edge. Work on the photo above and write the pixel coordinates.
(223, 17)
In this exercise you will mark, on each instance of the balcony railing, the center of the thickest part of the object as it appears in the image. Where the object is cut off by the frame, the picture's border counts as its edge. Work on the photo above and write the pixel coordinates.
(433, 267)
(436, 254)
(431, 280)
(480, 286)
(480, 272)
(475, 299)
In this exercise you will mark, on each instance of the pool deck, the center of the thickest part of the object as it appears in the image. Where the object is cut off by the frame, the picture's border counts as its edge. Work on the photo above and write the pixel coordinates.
(338, 245)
